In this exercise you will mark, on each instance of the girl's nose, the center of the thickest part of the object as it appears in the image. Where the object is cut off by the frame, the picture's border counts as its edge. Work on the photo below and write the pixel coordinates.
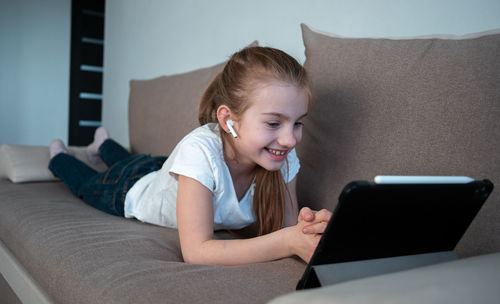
(287, 138)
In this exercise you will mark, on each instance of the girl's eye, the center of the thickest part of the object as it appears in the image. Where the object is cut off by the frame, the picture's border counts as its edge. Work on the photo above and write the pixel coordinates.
(273, 124)
(299, 124)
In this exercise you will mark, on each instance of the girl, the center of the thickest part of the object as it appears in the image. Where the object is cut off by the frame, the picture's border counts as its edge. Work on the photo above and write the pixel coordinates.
(238, 168)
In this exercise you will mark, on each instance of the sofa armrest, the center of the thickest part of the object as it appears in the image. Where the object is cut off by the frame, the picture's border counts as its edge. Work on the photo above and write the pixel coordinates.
(469, 280)
(21, 163)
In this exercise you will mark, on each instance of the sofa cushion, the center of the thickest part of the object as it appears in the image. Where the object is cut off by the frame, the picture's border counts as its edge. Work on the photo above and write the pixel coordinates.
(78, 254)
(416, 106)
(164, 109)
(21, 163)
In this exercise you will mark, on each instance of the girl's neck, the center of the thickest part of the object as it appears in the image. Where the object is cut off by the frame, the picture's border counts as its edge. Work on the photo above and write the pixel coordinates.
(242, 177)
(237, 166)
(242, 173)
(239, 170)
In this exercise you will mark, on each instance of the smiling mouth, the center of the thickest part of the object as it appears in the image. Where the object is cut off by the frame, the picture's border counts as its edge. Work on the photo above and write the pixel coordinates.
(276, 152)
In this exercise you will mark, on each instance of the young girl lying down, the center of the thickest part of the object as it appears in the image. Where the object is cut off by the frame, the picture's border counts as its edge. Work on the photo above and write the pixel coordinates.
(239, 167)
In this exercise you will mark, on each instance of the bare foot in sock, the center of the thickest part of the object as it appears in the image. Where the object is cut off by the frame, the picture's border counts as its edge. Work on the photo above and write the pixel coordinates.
(57, 146)
(100, 136)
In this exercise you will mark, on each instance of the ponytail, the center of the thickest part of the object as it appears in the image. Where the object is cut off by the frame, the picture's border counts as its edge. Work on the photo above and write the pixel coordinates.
(269, 187)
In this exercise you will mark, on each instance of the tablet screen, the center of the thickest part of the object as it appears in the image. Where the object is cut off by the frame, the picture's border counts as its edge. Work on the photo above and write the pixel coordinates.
(384, 220)
(374, 221)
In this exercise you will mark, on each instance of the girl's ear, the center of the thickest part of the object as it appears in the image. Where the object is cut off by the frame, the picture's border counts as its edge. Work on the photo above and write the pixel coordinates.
(223, 115)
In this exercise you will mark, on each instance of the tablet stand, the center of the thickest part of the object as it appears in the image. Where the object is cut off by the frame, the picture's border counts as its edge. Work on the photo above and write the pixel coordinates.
(329, 274)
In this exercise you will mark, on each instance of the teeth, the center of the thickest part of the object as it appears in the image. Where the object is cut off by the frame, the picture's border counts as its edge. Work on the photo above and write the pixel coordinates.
(279, 153)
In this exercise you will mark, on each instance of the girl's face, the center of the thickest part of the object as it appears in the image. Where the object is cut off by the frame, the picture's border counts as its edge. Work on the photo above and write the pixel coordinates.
(271, 126)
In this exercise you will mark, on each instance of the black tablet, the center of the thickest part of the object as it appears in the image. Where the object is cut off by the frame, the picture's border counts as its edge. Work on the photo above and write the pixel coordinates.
(381, 220)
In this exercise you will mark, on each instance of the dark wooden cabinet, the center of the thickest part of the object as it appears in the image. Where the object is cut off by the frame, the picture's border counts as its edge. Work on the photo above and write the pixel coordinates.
(86, 70)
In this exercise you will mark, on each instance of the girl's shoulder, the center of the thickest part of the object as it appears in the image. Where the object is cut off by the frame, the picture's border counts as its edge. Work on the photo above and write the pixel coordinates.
(210, 129)
(198, 155)
(206, 134)
(205, 138)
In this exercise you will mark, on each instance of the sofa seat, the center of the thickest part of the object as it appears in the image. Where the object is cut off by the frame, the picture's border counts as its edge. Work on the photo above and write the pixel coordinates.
(78, 254)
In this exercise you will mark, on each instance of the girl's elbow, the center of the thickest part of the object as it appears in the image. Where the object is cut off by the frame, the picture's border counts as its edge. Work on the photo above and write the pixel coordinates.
(191, 258)
(195, 257)
(201, 258)
(202, 253)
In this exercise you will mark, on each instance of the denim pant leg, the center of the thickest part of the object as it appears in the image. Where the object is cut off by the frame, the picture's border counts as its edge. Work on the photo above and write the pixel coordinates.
(107, 191)
(73, 172)
(112, 152)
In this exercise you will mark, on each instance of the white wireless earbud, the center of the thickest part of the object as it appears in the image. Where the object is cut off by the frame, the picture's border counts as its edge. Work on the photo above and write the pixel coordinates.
(230, 125)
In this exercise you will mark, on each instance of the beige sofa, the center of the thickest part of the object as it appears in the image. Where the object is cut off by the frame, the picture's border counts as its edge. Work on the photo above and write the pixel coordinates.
(409, 106)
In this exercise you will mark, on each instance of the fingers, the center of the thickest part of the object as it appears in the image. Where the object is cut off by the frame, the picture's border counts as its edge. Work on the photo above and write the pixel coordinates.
(306, 214)
(316, 228)
(319, 221)
(322, 216)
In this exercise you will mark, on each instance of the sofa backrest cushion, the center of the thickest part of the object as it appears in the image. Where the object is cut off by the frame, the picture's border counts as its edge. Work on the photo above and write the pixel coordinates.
(422, 106)
(163, 110)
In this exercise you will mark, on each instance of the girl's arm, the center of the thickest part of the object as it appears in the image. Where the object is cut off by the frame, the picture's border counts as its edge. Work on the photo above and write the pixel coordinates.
(195, 224)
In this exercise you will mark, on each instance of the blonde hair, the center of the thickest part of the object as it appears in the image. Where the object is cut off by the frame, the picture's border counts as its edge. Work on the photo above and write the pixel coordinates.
(243, 73)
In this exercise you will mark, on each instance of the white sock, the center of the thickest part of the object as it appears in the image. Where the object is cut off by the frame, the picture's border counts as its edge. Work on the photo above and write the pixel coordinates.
(100, 135)
(57, 146)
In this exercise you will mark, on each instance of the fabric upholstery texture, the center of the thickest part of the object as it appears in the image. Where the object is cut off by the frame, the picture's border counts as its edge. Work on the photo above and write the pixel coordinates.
(81, 255)
(163, 110)
(403, 107)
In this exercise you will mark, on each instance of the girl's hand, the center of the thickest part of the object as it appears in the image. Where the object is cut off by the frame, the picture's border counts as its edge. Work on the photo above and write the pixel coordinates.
(301, 244)
(315, 221)
(305, 235)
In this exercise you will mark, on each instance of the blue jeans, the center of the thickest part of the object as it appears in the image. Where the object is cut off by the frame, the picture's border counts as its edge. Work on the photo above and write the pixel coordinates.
(106, 190)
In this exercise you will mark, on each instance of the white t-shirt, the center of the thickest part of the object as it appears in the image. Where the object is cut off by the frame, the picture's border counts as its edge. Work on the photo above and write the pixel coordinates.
(200, 156)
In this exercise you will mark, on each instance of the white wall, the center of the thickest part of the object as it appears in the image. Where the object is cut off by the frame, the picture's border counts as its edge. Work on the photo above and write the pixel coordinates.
(34, 70)
(149, 38)
(146, 39)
